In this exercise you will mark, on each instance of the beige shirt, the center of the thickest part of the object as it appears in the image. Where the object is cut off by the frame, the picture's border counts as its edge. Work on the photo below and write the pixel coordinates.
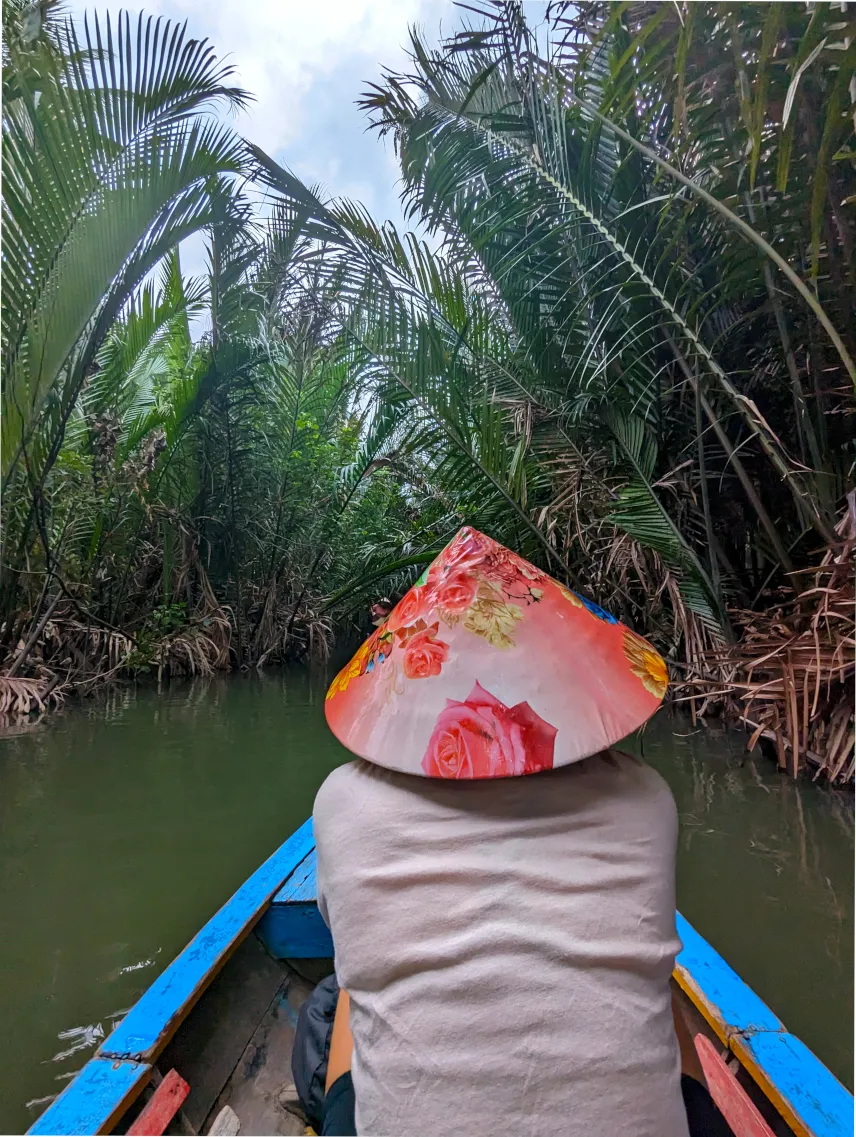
(507, 946)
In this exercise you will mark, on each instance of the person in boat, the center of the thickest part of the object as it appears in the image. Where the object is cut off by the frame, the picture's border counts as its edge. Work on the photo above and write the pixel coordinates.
(380, 610)
(499, 881)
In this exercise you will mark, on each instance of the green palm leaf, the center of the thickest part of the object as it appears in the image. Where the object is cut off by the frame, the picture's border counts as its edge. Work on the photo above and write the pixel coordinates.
(103, 174)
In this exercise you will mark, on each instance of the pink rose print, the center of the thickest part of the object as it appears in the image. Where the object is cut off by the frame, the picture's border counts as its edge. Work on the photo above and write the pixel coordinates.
(424, 655)
(409, 608)
(455, 592)
(466, 551)
(482, 738)
(510, 570)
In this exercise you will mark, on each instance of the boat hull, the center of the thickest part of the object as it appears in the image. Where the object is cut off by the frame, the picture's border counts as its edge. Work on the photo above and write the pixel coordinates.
(223, 1015)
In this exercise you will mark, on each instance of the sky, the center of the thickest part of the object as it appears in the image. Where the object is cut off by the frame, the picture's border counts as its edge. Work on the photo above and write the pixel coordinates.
(306, 62)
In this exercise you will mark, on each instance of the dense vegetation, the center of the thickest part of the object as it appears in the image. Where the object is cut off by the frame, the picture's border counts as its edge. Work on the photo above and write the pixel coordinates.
(625, 348)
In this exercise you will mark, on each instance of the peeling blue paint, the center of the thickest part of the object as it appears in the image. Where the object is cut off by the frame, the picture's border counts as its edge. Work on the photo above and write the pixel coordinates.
(93, 1097)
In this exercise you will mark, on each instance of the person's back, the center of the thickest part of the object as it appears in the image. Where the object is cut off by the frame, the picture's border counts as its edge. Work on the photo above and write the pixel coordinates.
(507, 947)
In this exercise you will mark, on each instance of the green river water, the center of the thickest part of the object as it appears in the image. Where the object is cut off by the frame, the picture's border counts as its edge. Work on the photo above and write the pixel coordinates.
(126, 823)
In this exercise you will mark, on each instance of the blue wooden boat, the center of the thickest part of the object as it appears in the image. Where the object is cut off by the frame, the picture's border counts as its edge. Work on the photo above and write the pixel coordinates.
(223, 1015)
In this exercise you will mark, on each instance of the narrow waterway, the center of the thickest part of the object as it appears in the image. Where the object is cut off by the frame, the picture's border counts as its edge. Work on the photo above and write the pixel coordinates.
(126, 823)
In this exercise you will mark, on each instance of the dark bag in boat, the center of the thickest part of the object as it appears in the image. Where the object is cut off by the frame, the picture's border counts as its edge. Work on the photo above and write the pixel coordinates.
(312, 1048)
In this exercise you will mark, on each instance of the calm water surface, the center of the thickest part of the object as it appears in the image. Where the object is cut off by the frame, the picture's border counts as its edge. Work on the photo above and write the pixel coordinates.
(124, 825)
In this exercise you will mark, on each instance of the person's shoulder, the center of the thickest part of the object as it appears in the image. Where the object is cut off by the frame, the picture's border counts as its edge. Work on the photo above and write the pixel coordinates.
(346, 788)
(642, 780)
(634, 767)
(355, 811)
(337, 787)
(613, 774)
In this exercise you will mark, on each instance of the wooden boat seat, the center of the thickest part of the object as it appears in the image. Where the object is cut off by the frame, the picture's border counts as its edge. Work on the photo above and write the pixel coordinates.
(293, 928)
(162, 1107)
(734, 1103)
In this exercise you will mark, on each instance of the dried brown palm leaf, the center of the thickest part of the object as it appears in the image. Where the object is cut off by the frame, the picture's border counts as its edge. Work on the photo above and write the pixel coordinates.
(791, 678)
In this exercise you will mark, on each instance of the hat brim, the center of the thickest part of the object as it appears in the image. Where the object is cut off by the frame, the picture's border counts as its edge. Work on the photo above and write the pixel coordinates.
(490, 668)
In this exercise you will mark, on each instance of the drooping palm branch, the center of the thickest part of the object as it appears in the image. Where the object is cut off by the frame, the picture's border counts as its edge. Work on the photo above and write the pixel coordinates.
(105, 170)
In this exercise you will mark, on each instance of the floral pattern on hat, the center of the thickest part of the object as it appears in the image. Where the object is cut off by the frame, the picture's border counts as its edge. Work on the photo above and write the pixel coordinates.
(487, 667)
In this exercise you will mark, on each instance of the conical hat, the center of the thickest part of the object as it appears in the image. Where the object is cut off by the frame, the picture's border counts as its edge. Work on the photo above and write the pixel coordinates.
(489, 668)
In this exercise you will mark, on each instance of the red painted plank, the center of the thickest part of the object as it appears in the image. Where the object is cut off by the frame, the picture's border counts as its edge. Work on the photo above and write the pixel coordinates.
(162, 1107)
(734, 1103)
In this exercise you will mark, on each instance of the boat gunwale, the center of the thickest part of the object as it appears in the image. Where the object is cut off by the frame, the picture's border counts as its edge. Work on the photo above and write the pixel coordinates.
(154, 1022)
(737, 1015)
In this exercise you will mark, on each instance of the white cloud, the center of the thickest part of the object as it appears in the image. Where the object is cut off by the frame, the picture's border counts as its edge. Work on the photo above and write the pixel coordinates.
(306, 62)
(284, 51)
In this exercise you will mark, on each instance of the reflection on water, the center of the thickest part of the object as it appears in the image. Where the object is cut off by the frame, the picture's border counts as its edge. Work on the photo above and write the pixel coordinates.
(83, 1038)
(765, 872)
(125, 824)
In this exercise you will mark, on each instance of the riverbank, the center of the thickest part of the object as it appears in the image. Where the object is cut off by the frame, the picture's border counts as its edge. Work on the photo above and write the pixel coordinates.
(127, 820)
(789, 678)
